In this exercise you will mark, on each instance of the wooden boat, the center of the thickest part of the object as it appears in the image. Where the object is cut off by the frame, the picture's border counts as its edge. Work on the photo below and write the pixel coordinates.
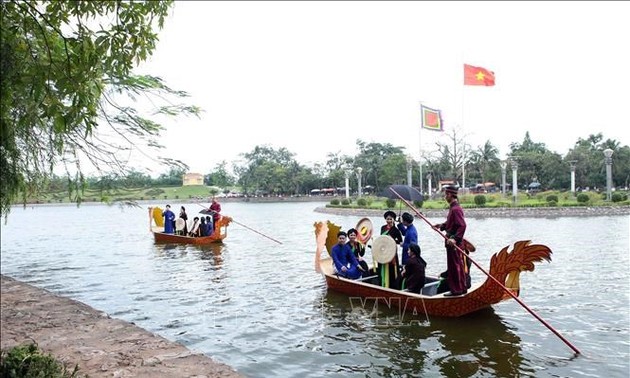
(156, 226)
(504, 266)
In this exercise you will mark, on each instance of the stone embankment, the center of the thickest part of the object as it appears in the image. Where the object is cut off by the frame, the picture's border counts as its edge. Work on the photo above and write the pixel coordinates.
(505, 212)
(77, 334)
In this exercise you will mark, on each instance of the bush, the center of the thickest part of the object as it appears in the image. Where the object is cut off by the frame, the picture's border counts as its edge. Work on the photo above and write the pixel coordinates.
(418, 204)
(480, 200)
(552, 198)
(362, 202)
(582, 198)
(552, 203)
(29, 361)
(345, 202)
(390, 203)
(617, 197)
(334, 202)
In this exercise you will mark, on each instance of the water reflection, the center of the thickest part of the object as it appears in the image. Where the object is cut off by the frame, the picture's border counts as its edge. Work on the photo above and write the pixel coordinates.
(212, 253)
(480, 344)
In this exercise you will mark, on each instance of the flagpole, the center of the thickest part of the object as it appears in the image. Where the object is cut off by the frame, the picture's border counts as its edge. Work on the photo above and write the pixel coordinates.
(464, 146)
(420, 146)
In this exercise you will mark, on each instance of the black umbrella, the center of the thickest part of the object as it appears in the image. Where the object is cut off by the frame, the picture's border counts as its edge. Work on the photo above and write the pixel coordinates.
(405, 191)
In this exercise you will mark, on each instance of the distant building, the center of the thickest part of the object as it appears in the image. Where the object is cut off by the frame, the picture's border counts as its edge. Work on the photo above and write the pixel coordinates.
(193, 179)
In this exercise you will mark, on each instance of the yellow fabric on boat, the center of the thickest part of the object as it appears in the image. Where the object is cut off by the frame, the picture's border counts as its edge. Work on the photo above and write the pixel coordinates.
(157, 217)
(331, 238)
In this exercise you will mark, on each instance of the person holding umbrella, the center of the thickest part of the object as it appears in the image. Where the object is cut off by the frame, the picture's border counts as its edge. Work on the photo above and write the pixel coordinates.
(455, 227)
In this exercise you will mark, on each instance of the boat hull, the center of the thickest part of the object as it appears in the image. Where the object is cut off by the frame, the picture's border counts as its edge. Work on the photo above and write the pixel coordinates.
(434, 305)
(161, 237)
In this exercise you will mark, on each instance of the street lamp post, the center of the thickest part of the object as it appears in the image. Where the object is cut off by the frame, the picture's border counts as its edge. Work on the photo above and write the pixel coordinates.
(573, 162)
(608, 153)
(347, 173)
(429, 177)
(514, 165)
(409, 166)
(503, 164)
(359, 170)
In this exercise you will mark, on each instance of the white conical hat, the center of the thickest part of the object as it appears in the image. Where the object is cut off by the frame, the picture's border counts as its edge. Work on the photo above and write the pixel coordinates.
(383, 249)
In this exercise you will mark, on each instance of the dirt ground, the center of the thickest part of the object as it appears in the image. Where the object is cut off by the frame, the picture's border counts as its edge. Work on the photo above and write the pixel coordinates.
(77, 334)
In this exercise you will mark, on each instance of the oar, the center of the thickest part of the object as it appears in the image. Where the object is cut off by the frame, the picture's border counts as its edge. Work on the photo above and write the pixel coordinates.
(491, 277)
(247, 227)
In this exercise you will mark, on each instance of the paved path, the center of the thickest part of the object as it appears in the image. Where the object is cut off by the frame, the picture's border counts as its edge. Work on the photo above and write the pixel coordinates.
(75, 333)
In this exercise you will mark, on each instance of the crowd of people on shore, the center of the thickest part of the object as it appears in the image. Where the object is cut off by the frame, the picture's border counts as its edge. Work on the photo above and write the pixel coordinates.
(409, 273)
(199, 227)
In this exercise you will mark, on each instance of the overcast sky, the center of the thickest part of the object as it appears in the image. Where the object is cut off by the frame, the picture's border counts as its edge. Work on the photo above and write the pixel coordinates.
(316, 76)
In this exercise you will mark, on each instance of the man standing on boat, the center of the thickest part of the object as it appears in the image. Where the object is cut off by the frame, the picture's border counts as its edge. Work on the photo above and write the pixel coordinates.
(455, 227)
(215, 209)
(169, 220)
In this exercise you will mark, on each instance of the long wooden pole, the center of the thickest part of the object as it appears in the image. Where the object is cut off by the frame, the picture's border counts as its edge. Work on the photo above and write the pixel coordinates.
(491, 277)
(247, 227)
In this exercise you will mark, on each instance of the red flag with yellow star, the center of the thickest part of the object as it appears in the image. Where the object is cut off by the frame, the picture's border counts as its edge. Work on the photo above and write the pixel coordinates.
(478, 76)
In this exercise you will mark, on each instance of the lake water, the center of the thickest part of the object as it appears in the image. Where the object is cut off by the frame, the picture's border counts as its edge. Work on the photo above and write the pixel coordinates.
(261, 308)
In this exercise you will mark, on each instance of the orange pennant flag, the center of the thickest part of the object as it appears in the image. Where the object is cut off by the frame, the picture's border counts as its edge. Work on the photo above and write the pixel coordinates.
(478, 76)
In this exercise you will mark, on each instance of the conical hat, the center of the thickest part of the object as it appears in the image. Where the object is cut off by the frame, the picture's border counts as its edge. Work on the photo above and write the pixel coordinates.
(364, 230)
(470, 247)
(383, 249)
(179, 224)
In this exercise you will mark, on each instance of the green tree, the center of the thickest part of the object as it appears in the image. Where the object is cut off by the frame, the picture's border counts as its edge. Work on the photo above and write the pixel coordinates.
(269, 171)
(483, 160)
(536, 163)
(371, 158)
(65, 87)
(219, 176)
(174, 177)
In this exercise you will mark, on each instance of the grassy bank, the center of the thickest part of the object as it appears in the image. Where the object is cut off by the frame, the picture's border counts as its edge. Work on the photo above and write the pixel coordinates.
(202, 193)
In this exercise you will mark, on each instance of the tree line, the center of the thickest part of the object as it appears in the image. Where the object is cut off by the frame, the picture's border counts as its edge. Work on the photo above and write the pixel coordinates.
(269, 171)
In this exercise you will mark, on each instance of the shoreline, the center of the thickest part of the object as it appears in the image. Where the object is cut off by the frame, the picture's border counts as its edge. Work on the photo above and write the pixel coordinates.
(505, 212)
(77, 334)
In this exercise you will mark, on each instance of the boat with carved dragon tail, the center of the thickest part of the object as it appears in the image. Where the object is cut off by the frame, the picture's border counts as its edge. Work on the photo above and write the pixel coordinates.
(156, 226)
(505, 266)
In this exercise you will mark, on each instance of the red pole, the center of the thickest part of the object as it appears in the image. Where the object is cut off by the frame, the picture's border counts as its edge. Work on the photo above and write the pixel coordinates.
(491, 277)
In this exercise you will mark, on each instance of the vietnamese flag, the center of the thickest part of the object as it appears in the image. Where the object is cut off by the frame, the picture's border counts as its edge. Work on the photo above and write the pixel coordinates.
(478, 76)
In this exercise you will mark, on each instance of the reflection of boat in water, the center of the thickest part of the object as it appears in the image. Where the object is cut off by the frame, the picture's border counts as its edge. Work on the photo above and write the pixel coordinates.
(156, 225)
(504, 266)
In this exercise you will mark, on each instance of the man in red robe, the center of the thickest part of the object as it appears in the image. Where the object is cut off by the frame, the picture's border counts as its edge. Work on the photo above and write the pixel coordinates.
(455, 227)
(215, 209)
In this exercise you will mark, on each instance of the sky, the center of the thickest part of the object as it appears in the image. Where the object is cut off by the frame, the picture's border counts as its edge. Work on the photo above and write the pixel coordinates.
(316, 76)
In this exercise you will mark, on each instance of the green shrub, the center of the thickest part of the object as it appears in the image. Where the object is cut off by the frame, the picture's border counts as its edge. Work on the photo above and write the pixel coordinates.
(362, 202)
(617, 197)
(480, 200)
(583, 198)
(418, 204)
(28, 361)
(552, 198)
(552, 203)
(345, 202)
(334, 201)
(390, 203)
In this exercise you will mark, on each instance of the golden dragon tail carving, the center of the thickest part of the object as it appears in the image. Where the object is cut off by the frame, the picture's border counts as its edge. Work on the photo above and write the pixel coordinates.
(506, 266)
